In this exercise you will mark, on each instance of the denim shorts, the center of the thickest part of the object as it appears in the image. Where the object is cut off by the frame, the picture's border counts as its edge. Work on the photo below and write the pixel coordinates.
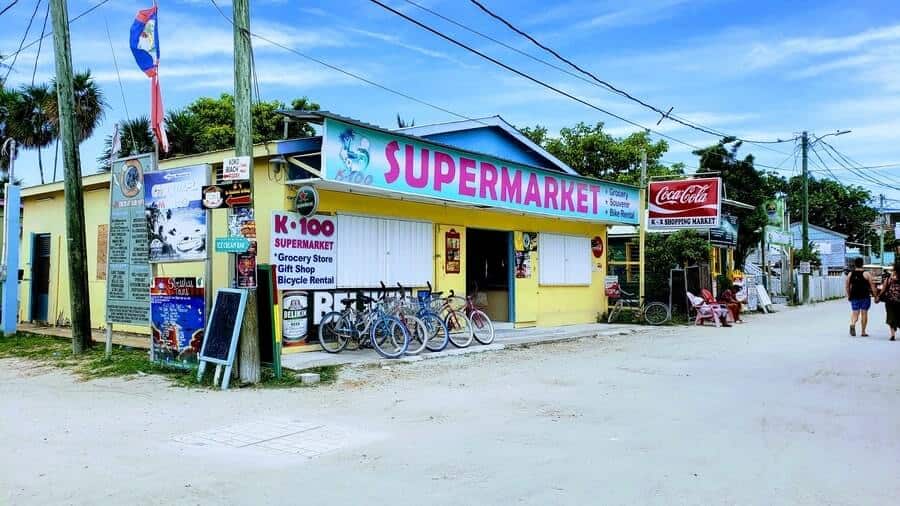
(861, 304)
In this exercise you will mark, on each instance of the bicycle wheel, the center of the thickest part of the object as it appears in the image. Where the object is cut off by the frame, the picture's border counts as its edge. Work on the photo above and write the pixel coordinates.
(438, 335)
(389, 337)
(656, 313)
(614, 312)
(458, 326)
(334, 332)
(418, 334)
(482, 327)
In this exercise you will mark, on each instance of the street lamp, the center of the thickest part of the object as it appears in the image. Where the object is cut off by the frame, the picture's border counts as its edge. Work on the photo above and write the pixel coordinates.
(804, 139)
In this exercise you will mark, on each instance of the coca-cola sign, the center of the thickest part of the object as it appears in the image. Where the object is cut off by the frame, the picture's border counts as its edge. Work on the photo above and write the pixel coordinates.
(686, 203)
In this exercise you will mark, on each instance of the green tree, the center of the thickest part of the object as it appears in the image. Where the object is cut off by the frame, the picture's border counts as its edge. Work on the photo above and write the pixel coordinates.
(835, 206)
(30, 125)
(745, 184)
(134, 138)
(89, 108)
(666, 251)
(593, 152)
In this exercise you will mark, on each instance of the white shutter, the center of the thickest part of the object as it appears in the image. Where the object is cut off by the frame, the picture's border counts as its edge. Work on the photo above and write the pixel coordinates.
(372, 250)
(564, 260)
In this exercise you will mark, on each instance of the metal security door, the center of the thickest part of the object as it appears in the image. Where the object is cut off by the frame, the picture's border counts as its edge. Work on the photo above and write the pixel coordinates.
(40, 277)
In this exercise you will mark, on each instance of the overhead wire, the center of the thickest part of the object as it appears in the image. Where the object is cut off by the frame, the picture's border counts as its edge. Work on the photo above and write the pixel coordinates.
(849, 165)
(525, 75)
(15, 56)
(664, 114)
(112, 50)
(40, 44)
(76, 18)
(8, 7)
(346, 72)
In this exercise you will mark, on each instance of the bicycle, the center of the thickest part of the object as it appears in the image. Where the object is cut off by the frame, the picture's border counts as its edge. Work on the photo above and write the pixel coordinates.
(403, 310)
(654, 313)
(385, 333)
(438, 334)
(451, 310)
(482, 326)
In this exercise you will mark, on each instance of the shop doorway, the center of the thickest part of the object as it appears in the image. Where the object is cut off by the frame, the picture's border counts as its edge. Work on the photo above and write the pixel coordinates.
(489, 272)
(40, 277)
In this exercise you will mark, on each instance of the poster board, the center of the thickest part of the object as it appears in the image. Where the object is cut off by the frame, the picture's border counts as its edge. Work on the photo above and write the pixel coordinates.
(222, 330)
(175, 214)
(177, 310)
(303, 251)
(127, 271)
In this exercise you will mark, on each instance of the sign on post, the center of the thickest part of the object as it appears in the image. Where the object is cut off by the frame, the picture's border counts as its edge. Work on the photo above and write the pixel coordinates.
(306, 202)
(177, 307)
(686, 203)
(127, 266)
(232, 244)
(303, 251)
(236, 168)
(778, 237)
(175, 214)
(805, 268)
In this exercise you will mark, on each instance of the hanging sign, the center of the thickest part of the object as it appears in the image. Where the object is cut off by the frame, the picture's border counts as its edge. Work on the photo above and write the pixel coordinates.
(727, 233)
(452, 248)
(294, 318)
(127, 266)
(232, 244)
(805, 268)
(774, 209)
(245, 270)
(611, 286)
(778, 237)
(303, 249)
(236, 168)
(233, 194)
(176, 311)
(306, 202)
(356, 155)
(175, 214)
(685, 203)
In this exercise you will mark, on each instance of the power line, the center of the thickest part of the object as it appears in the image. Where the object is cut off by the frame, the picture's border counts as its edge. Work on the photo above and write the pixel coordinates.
(849, 164)
(346, 72)
(40, 44)
(76, 18)
(121, 90)
(617, 90)
(24, 36)
(526, 76)
(8, 7)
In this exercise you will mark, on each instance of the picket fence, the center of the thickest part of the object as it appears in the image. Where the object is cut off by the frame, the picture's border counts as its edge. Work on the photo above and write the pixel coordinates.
(821, 288)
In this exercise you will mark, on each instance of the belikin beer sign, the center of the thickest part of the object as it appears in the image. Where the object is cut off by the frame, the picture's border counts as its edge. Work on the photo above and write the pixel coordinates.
(686, 203)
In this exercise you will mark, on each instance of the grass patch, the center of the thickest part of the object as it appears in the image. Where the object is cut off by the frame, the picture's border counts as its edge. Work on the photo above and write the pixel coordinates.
(126, 361)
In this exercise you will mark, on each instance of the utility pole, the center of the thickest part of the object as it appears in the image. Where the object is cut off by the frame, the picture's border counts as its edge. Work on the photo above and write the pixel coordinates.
(249, 366)
(642, 233)
(74, 198)
(881, 224)
(804, 143)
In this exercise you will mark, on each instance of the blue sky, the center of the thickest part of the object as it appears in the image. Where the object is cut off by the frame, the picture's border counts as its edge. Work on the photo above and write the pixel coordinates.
(761, 69)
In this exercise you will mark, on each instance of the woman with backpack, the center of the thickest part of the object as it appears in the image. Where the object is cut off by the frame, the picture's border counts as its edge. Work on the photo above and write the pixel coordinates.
(860, 287)
(890, 295)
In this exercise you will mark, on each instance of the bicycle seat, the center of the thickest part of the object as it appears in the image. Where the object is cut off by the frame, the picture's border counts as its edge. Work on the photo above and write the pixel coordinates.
(366, 299)
(436, 294)
(348, 302)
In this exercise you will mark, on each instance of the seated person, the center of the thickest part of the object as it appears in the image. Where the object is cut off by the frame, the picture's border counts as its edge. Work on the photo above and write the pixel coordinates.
(729, 300)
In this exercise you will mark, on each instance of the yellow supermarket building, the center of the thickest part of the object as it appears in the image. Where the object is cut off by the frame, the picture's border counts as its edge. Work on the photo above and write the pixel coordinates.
(469, 206)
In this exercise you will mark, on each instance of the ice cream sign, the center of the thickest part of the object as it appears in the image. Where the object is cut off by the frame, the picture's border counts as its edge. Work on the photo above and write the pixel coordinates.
(362, 156)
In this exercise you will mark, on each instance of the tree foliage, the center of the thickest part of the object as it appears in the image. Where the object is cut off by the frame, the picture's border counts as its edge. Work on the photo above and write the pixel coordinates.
(667, 251)
(593, 152)
(835, 206)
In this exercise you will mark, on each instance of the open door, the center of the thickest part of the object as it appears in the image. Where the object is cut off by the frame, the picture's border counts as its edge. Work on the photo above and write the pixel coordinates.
(40, 277)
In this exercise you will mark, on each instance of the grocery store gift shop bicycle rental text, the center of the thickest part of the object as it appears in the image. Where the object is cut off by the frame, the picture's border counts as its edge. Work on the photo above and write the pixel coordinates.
(516, 229)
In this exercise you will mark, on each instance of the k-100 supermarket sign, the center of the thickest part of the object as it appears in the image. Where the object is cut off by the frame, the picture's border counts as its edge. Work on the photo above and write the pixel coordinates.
(303, 251)
(363, 156)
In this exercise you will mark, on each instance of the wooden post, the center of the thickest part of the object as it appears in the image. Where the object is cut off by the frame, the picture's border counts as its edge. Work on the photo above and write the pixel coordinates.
(74, 198)
(249, 364)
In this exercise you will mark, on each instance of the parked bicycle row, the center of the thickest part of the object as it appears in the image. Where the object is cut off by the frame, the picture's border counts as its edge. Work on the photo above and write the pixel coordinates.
(395, 324)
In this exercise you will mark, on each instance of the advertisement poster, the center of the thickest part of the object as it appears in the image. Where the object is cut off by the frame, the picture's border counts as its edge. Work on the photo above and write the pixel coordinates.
(523, 264)
(303, 251)
(727, 233)
(232, 194)
(775, 212)
(245, 270)
(611, 285)
(127, 270)
(356, 155)
(685, 203)
(294, 320)
(102, 250)
(451, 253)
(236, 168)
(175, 215)
(176, 313)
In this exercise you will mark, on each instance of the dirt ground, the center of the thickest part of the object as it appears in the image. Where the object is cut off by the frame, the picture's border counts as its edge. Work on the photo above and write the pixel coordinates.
(786, 409)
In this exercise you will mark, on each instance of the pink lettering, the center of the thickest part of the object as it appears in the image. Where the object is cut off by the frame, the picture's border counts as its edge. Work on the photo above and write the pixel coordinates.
(551, 192)
(466, 177)
(390, 152)
(567, 202)
(281, 224)
(445, 169)
(510, 189)
(595, 191)
(582, 198)
(533, 193)
(488, 181)
(420, 181)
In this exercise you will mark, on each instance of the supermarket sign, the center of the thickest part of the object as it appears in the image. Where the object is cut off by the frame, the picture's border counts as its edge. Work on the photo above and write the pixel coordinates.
(685, 203)
(360, 156)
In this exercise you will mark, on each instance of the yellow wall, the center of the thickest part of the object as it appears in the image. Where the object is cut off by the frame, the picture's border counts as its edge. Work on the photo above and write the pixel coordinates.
(44, 213)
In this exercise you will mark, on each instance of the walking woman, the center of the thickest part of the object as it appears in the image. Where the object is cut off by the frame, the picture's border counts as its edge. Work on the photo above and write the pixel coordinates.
(890, 295)
(860, 287)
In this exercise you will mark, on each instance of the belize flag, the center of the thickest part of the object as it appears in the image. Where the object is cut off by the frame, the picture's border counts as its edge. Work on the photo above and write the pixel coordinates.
(144, 44)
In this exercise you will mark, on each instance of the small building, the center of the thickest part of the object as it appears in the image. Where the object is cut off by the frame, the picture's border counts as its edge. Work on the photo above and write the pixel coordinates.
(465, 206)
(830, 245)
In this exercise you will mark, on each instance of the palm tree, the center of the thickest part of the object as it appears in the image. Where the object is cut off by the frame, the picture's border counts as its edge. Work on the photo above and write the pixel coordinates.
(89, 108)
(8, 103)
(183, 129)
(30, 125)
(135, 138)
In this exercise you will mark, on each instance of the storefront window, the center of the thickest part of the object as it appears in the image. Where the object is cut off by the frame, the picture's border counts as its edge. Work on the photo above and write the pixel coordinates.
(624, 261)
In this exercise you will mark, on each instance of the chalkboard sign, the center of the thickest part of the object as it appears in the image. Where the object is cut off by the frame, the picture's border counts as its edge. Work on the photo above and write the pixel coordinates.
(222, 330)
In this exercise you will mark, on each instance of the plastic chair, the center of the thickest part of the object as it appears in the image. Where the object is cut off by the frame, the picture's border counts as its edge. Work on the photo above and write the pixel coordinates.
(705, 311)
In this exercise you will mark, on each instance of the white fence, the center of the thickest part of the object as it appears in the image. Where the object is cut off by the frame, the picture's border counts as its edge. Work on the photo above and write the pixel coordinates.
(821, 288)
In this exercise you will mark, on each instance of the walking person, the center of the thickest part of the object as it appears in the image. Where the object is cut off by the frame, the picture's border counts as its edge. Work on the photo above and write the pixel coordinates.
(860, 287)
(890, 295)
